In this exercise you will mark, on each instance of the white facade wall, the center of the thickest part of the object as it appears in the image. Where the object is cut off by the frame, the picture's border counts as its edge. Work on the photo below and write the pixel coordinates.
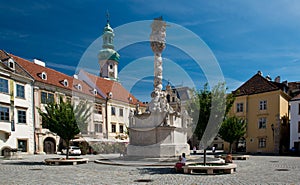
(23, 131)
(295, 118)
(117, 119)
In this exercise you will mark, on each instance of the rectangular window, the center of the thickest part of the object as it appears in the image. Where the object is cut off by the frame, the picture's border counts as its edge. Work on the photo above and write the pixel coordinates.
(21, 116)
(263, 105)
(43, 97)
(98, 127)
(113, 128)
(262, 143)
(50, 97)
(47, 97)
(262, 122)
(3, 85)
(20, 91)
(298, 126)
(98, 109)
(121, 128)
(22, 145)
(121, 112)
(113, 111)
(4, 113)
(239, 107)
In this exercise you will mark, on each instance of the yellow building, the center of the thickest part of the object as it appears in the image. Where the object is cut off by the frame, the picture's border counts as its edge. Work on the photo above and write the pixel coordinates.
(263, 103)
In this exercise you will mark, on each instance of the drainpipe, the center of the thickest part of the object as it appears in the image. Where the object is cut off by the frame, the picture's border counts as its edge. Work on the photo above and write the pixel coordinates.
(106, 117)
(33, 118)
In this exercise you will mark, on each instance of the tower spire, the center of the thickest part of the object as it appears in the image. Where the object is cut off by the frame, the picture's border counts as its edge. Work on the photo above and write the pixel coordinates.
(108, 57)
(107, 17)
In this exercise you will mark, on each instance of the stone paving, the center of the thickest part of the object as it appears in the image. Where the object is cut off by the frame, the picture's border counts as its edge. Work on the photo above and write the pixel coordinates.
(255, 170)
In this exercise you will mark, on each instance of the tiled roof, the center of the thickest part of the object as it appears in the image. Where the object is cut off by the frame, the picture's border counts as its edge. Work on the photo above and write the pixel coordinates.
(258, 84)
(3, 55)
(118, 91)
(296, 98)
(54, 77)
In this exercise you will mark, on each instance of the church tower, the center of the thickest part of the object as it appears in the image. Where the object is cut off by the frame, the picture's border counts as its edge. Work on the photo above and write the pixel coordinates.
(108, 58)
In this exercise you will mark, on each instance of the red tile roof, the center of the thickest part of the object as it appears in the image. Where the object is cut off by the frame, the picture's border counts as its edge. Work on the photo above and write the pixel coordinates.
(54, 78)
(107, 86)
(257, 84)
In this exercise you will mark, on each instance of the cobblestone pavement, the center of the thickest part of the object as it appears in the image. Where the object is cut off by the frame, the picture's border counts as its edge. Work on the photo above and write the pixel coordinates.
(256, 170)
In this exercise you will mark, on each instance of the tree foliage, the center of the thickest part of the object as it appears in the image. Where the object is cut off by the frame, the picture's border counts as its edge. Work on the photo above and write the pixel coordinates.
(232, 129)
(207, 110)
(65, 119)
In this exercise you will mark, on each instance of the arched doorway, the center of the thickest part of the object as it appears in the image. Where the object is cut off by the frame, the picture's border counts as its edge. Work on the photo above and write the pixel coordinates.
(49, 145)
(5, 151)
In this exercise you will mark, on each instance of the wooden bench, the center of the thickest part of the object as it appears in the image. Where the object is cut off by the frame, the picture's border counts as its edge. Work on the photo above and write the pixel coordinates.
(234, 157)
(66, 161)
(226, 168)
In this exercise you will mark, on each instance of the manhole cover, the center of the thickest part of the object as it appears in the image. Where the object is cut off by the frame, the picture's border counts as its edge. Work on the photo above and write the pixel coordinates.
(282, 170)
(143, 180)
(35, 169)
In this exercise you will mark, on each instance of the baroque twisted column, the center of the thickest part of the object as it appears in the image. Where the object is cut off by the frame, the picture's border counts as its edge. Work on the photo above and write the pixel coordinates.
(158, 40)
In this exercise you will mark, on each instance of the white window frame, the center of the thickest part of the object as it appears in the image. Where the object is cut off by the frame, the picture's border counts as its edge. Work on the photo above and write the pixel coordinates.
(262, 143)
(262, 123)
(2, 88)
(22, 115)
(240, 107)
(3, 115)
(263, 105)
(21, 85)
(44, 75)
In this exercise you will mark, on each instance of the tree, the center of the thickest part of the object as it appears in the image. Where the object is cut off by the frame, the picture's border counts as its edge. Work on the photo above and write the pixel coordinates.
(207, 110)
(232, 129)
(209, 106)
(65, 119)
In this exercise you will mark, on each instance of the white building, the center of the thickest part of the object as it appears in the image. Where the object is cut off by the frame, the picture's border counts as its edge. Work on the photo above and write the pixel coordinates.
(16, 107)
(49, 85)
(295, 123)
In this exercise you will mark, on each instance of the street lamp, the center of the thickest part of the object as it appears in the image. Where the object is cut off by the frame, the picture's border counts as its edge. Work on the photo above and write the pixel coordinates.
(108, 97)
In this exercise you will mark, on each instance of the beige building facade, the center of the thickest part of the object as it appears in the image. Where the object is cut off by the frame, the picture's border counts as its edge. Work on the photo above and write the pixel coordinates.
(263, 104)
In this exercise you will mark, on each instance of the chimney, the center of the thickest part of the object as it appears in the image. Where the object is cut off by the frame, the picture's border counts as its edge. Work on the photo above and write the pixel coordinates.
(268, 78)
(277, 79)
(39, 62)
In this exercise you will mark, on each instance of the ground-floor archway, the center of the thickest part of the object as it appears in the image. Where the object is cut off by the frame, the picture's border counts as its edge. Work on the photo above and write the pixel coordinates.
(49, 145)
(5, 151)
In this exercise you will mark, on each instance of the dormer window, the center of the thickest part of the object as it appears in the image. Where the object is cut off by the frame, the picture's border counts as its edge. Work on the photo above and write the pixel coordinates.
(44, 75)
(11, 64)
(65, 83)
(95, 91)
(79, 87)
(130, 99)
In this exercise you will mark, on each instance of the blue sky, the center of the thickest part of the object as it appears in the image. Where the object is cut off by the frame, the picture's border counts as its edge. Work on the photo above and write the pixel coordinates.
(244, 36)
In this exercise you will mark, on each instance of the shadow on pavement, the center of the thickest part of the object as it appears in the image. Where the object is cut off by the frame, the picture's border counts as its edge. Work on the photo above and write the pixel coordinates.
(24, 163)
(153, 171)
